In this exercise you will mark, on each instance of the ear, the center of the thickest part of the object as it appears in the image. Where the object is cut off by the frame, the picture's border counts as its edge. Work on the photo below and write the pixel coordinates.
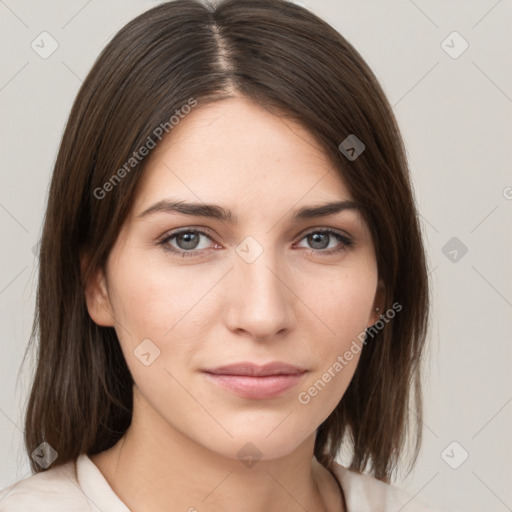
(96, 295)
(379, 301)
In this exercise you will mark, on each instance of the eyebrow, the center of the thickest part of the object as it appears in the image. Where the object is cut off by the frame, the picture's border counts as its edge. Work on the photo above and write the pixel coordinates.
(226, 215)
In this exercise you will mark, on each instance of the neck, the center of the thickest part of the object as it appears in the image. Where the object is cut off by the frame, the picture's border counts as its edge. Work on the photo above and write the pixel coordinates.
(154, 465)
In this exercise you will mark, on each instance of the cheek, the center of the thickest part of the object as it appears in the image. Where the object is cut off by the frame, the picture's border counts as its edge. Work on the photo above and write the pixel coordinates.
(155, 299)
(343, 306)
(344, 303)
(165, 312)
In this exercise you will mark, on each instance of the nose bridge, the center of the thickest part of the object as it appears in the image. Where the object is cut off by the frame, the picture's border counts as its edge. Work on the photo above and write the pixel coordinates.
(260, 301)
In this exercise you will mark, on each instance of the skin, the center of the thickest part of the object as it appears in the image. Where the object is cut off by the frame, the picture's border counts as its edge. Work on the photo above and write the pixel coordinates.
(291, 304)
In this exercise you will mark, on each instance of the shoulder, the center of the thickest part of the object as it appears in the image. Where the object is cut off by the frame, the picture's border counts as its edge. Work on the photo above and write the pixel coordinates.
(364, 493)
(54, 489)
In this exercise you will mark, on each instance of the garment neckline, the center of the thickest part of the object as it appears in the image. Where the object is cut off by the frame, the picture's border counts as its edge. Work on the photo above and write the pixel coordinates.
(97, 489)
(342, 492)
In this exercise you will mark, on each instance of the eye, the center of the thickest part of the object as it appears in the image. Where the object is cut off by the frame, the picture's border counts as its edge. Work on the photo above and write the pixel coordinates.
(320, 239)
(187, 241)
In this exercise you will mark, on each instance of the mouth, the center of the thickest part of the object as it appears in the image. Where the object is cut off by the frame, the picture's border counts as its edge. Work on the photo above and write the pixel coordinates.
(252, 381)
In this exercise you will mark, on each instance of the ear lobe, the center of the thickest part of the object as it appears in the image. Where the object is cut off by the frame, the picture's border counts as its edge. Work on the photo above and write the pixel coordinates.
(379, 301)
(96, 295)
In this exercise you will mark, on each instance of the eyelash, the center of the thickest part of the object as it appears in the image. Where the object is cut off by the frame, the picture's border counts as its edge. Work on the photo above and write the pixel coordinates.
(346, 243)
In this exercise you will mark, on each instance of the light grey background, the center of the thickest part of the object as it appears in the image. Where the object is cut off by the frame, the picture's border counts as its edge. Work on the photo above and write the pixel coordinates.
(455, 116)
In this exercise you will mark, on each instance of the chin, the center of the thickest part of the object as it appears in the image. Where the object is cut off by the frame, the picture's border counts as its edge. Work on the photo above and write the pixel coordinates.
(261, 439)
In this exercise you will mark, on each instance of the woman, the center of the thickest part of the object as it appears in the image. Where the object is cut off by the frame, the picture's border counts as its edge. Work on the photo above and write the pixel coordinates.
(232, 281)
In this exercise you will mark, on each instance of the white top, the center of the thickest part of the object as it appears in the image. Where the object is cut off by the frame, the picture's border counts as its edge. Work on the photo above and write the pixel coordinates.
(81, 487)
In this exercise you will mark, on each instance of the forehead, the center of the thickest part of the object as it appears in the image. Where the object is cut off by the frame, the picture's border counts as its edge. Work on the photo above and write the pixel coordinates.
(233, 152)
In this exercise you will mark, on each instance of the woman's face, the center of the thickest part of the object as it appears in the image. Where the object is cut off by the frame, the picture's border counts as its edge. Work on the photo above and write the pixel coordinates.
(266, 286)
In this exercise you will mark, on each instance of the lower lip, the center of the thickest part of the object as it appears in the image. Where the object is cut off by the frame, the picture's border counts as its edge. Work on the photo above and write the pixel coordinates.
(259, 388)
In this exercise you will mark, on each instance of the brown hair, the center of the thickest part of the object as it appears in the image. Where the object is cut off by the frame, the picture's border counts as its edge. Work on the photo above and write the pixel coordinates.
(291, 62)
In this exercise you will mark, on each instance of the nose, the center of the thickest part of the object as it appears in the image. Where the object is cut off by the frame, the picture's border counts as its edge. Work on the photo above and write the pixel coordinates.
(260, 298)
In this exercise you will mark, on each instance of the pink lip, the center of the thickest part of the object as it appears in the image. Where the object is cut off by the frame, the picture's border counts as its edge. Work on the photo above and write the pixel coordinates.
(257, 382)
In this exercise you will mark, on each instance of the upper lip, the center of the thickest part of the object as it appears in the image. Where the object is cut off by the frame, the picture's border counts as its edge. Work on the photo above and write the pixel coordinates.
(254, 370)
